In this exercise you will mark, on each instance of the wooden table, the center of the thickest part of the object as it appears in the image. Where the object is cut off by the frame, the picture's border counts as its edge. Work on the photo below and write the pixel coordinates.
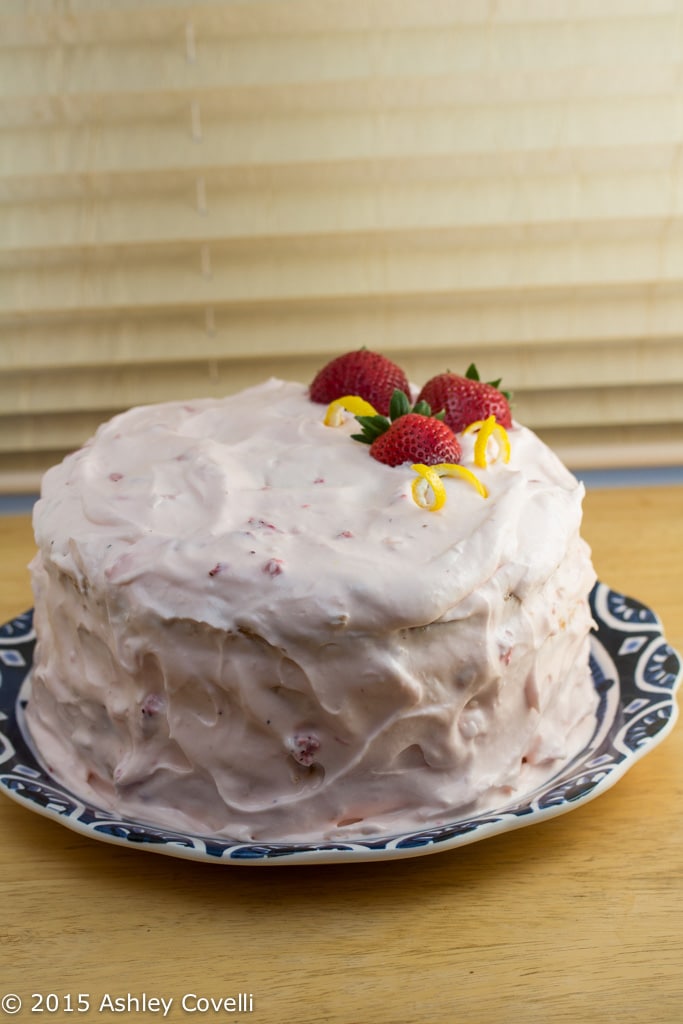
(578, 920)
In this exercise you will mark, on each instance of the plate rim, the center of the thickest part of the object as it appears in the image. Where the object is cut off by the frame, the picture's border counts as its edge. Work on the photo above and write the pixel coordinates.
(626, 632)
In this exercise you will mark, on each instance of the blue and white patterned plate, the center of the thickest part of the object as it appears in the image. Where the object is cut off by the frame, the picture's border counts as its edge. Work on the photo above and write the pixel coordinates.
(635, 672)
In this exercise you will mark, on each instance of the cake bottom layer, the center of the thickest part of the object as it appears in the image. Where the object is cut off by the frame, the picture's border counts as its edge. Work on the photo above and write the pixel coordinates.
(178, 724)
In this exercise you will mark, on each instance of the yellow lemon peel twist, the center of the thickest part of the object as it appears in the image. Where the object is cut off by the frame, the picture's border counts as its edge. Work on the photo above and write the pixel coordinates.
(486, 429)
(429, 478)
(354, 404)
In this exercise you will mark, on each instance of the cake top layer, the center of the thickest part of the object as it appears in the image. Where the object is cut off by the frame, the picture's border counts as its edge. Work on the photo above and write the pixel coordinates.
(226, 510)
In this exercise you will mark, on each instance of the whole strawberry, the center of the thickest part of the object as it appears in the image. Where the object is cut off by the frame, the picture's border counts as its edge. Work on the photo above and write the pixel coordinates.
(416, 438)
(466, 399)
(364, 373)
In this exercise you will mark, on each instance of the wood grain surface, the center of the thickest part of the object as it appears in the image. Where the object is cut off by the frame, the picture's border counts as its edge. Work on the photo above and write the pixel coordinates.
(578, 920)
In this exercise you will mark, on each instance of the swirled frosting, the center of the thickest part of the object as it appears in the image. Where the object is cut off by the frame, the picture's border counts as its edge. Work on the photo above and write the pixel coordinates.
(247, 627)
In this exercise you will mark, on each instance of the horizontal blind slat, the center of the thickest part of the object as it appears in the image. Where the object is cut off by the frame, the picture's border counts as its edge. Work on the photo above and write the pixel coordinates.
(90, 21)
(470, 52)
(30, 360)
(602, 207)
(52, 183)
(180, 143)
(515, 335)
(315, 270)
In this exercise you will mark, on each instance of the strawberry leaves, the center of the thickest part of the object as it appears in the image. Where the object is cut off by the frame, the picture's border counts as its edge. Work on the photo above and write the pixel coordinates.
(472, 373)
(399, 405)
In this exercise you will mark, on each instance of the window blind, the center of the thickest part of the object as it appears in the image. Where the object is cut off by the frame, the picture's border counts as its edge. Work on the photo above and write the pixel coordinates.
(196, 196)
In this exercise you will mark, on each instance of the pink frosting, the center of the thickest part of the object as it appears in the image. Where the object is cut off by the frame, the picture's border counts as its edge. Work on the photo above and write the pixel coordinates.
(247, 627)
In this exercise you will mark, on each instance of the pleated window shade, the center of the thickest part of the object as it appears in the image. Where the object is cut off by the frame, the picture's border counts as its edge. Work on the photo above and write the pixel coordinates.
(196, 196)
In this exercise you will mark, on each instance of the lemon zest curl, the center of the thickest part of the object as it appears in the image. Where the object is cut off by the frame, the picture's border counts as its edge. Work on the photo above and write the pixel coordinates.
(334, 416)
(429, 479)
(486, 429)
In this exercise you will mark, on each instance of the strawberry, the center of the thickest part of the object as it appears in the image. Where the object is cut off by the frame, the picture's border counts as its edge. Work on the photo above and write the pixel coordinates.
(416, 438)
(368, 374)
(409, 435)
(466, 399)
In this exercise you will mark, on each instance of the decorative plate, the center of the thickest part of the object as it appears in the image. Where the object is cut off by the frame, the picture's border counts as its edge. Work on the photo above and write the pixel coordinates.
(635, 673)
